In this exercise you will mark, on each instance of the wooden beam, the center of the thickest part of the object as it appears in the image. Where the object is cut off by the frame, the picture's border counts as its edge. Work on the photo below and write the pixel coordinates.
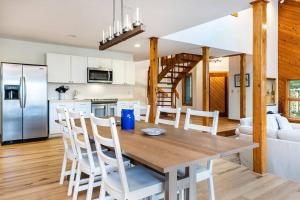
(243, 86)
(205, 79)
(124, 36)
(259, 78)
(152, 98)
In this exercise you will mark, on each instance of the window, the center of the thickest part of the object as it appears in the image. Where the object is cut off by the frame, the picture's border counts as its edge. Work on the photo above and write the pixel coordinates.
(187, 90)
(294, 98)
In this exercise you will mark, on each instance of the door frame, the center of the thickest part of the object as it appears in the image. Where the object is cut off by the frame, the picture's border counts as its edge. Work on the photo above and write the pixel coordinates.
(225, 75)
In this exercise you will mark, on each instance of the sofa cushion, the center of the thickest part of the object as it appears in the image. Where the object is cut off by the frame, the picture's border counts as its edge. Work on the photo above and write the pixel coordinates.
(284, 123)
(248, 130)
(291, 135)
(272, 123)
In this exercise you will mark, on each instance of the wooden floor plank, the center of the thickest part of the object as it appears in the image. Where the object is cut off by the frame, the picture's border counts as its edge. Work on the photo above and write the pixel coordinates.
(31, 171)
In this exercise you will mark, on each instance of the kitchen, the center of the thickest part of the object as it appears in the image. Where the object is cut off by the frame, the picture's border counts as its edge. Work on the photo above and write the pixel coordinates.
(69, 68)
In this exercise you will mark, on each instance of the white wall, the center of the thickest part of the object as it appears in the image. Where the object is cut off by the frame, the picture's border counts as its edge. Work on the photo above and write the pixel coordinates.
(234, 92)
(141, 78)
(35, 53)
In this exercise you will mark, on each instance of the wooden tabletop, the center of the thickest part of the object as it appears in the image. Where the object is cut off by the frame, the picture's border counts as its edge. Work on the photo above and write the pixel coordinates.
(176, 148)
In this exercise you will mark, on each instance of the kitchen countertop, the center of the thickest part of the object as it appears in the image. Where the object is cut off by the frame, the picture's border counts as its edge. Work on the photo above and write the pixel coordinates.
(70, 100)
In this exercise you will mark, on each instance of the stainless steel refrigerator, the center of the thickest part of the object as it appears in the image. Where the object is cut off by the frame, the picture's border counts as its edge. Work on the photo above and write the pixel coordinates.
(24, 107)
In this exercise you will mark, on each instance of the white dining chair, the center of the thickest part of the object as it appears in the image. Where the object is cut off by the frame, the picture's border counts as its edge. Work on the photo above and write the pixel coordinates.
(70, 152)
(133, 183)
(142, 112)
(203, 172)
(87, 160)
(168, 110)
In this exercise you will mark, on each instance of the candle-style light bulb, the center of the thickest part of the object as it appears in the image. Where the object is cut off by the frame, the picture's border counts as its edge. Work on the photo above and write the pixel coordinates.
(137, 15)
(126, 27)
(103, 36)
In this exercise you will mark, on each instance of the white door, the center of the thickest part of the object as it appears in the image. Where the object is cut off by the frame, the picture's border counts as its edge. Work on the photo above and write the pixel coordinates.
(59, 68)
(118, 71)
(78, 69)
(130, 72)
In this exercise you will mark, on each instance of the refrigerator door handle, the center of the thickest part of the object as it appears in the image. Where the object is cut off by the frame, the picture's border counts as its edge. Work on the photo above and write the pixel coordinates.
(25, 92)
(20, 98)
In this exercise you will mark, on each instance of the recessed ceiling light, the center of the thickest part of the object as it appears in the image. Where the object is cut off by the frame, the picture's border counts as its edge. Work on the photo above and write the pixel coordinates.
(137, 45)
(72, 35)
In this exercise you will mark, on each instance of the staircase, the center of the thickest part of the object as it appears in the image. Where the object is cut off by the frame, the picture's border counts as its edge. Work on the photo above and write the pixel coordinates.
(172, 70)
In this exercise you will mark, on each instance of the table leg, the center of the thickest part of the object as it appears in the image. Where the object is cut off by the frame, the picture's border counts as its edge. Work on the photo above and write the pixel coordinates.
(191, 192)
(171, 185)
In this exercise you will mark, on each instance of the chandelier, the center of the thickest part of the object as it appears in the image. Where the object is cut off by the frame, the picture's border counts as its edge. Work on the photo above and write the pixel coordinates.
(121, 30)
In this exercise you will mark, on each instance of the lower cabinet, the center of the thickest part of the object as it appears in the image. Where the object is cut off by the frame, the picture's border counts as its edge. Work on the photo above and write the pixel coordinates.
(83, 106)
(127, 105)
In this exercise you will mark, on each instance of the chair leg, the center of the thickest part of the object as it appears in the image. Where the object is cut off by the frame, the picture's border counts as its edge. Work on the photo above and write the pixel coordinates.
(102, 192)
(77, 182)
(181, 194)
(71, 182)
(211, 190)
(89, 193)
(63, 169)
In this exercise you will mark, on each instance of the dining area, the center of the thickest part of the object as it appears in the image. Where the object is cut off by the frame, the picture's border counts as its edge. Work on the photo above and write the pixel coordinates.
(129, 158)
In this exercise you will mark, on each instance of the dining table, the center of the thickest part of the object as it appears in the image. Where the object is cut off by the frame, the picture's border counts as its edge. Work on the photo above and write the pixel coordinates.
(175, 149)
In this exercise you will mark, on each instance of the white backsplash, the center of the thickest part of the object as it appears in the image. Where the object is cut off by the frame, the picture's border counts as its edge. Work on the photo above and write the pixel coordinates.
(92, 91)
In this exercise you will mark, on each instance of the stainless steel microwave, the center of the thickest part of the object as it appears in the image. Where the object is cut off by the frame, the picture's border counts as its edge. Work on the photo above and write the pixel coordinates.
(99, 75)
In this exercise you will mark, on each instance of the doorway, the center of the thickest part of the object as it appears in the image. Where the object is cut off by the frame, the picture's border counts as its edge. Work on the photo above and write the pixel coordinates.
(218, 92)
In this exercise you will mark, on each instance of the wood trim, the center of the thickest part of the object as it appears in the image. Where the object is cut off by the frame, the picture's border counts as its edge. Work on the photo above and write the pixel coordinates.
(153, 78)
(205, 83)
(259, 77)
(183, 90)
(243, 65)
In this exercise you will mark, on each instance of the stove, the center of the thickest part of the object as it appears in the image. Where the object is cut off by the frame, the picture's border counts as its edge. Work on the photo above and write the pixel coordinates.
(104, 101)
(104, 107)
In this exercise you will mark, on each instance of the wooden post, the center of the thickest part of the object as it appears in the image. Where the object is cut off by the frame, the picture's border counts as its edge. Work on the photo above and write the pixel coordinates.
(152, 97)
(205, 76)
(259, 77)
(243, 86)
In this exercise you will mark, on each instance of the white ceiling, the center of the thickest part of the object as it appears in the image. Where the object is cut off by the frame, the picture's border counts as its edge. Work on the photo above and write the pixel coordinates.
(53, 21)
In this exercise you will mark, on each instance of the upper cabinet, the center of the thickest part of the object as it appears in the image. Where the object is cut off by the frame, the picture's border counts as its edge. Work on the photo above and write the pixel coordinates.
(118, 67)
(99, 62)
(59, 66)
(66, 68)
(73, 69)
(78, 69)
(130, 72)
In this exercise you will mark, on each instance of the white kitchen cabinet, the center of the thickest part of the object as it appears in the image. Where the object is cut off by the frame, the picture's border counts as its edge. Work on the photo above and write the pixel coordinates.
(66, 68)
(99, 62)
(127, 105)
(130, 72)
(58, 68)
(119, 76)
(83, 106)
(78, 69)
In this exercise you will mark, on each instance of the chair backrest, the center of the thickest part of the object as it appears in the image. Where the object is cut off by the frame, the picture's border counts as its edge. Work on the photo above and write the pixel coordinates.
(168, 110)
(81, 137)
(143, 112)
(64, 121)
(210, 129)
(114, 144)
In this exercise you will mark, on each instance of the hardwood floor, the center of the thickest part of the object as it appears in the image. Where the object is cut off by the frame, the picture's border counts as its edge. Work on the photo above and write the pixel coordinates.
(31, 171)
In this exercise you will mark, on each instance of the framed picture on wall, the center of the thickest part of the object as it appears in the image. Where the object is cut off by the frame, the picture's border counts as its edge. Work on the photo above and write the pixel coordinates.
(237, 82)
(271, 91)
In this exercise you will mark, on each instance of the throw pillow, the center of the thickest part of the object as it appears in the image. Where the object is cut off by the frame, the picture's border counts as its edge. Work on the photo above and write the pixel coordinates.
(284, 123)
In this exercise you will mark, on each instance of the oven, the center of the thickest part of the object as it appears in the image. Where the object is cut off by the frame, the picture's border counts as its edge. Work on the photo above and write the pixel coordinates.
(104, 107)
(99, 75)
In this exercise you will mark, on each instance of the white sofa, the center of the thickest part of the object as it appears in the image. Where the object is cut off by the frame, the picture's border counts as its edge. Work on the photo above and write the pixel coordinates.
(283, 146)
